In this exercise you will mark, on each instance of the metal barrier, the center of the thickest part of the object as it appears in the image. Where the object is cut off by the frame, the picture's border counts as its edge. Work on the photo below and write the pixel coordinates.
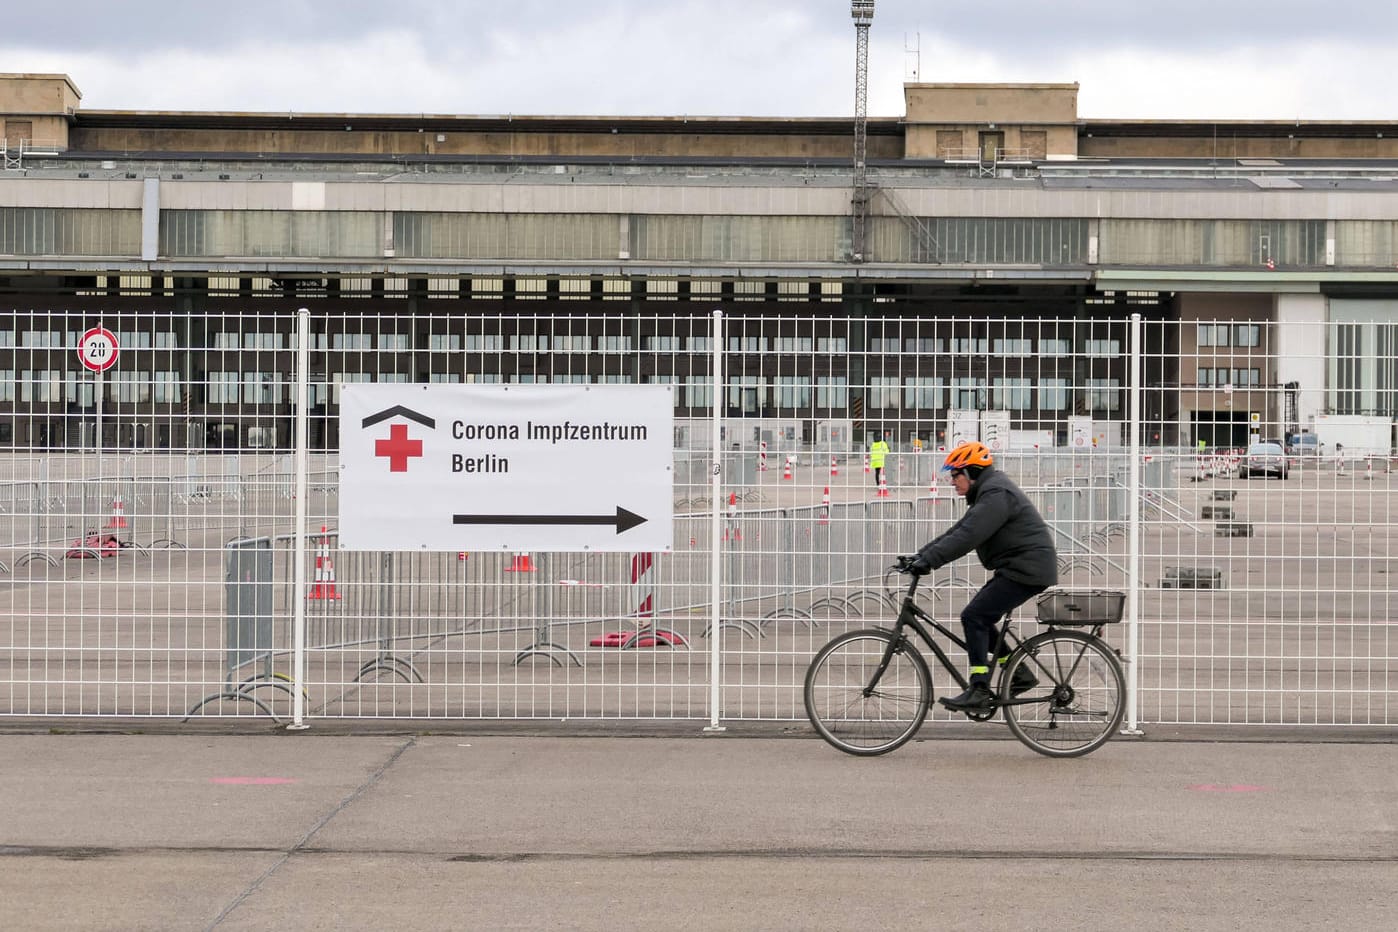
(1257, 601)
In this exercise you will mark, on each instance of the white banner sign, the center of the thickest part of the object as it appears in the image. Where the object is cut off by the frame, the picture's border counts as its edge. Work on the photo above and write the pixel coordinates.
(995, 430)
(962, 427)
(1079, 433)
(506, 467)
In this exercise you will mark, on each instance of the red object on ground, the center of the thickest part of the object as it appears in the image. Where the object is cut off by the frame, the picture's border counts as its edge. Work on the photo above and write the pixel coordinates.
(118, 518)
(521, 564)
(94, 545)
(624, 639)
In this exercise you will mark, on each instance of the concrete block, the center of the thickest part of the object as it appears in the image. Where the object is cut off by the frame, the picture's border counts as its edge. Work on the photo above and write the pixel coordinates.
(1192, 577)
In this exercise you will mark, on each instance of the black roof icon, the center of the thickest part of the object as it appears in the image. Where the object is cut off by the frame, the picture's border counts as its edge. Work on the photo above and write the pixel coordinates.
(399, 411)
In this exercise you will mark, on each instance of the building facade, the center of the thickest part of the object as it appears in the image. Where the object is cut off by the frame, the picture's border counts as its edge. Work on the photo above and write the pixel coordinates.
(1008, 242)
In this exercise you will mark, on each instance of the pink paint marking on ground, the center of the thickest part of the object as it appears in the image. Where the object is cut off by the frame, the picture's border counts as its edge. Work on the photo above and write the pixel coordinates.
(1228, 788)
(252, 781)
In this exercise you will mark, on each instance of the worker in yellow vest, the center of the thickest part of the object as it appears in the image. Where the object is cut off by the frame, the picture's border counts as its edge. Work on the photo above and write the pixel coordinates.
(878, 452)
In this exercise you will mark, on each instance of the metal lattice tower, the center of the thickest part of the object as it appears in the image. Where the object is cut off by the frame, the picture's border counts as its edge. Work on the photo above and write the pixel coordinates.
(863, 13)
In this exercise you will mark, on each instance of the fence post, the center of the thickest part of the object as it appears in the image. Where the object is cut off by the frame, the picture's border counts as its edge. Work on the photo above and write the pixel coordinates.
(715, 526)
(1133, 561)
(298, 540)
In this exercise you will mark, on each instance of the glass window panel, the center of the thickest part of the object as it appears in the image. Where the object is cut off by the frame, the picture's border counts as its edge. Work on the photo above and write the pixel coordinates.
(1011, 394)
(924, 393)
(1103, 395)
(1053, 394)
(832, 391)
(223, 387)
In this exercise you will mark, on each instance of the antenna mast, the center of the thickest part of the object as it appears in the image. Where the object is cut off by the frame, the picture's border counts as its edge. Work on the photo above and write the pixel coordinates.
(863, 13)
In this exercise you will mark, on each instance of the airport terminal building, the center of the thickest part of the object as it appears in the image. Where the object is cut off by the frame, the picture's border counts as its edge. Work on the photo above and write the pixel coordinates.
(991, 261)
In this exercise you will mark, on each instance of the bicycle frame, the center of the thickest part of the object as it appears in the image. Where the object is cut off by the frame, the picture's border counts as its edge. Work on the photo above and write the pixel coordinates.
(912, 615)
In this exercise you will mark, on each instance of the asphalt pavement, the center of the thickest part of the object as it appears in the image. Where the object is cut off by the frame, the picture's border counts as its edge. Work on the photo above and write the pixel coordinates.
(521, 828)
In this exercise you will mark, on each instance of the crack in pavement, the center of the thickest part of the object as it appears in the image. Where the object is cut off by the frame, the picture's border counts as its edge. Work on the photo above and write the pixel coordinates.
(302, 850)
(373, 778)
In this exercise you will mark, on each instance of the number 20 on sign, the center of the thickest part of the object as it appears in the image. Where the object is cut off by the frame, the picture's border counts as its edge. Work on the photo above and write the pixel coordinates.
(97, 350)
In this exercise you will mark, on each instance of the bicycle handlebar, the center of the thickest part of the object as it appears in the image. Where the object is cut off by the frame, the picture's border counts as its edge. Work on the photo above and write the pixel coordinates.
(904, 565)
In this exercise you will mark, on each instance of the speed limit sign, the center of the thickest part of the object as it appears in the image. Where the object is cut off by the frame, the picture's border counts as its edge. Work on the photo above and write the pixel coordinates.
(97, 350)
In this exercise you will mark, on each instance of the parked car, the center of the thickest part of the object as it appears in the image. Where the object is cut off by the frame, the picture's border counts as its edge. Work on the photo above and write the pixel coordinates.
(1264, 459)
(1303, 445)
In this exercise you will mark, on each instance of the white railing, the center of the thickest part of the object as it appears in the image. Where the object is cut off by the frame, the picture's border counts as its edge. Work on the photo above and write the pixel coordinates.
(12, 154)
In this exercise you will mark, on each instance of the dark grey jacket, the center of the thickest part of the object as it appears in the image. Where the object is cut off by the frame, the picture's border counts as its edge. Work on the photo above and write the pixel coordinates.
(1005, 530)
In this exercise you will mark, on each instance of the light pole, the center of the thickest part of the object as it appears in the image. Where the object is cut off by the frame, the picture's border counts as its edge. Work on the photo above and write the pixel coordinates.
(863, 13)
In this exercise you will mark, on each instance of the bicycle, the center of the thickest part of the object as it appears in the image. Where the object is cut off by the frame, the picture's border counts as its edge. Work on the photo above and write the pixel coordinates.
(867, 692)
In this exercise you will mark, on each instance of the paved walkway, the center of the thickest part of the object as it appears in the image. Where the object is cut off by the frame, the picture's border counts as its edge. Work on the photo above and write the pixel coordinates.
(470, 830)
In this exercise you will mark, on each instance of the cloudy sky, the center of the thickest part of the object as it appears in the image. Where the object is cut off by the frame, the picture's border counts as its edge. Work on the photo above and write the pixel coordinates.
(1186, 59)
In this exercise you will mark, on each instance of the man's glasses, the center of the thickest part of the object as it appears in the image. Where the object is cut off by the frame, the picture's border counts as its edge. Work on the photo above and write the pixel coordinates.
(957, 472)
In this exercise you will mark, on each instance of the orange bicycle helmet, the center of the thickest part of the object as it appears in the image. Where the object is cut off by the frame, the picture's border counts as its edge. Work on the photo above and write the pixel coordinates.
(969, 454)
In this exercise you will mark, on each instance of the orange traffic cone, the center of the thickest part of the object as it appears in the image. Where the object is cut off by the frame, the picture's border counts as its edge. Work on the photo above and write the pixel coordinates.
(834, 467)
(866, 464)
(883, 487)
(786, 471)
(932, 486)
(521, 564)
(825, 506)
(118, 518)
(323, 587)
(733, 532)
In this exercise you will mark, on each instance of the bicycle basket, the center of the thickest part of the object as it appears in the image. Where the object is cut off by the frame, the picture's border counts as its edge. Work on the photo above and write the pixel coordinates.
(1080, 607)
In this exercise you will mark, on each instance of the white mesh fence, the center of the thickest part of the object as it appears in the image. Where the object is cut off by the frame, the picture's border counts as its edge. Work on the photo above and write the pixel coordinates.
(152, 574)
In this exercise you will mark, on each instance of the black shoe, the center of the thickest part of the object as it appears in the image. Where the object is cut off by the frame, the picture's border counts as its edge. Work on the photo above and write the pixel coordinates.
(1023, 680)
(976, 698)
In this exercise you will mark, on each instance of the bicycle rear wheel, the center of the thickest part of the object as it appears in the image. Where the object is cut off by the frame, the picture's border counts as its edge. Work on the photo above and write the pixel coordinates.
(859, 716)
(1080, 698)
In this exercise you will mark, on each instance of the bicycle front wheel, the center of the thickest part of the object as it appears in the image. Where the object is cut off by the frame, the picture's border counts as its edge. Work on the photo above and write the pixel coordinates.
(854, 712)
(1080, 698)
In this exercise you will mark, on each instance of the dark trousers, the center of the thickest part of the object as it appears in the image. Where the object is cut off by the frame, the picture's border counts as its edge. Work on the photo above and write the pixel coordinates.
(878, 474)
(980, 617)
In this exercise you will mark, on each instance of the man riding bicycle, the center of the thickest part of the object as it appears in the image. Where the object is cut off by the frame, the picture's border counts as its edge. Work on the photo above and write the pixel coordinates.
(1013, 542)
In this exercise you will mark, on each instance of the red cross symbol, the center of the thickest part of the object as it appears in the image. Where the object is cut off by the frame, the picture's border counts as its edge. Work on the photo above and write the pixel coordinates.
(398, 448)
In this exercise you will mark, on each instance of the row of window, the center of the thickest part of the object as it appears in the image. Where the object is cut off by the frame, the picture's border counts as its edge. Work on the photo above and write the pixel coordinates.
(1241, 335)
(1236, 378)
(998, 347)
(1228, 334)
(571, 343)
(56, 386)
(572, 237)
(748, 392)
(1004, 394)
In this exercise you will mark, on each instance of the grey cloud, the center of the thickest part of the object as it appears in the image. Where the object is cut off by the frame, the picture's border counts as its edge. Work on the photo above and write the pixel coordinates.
(92, 25)
(1019, 27)
(1184, 24)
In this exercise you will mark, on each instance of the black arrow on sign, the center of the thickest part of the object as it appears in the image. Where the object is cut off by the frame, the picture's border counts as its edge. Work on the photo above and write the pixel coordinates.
(623, 520)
